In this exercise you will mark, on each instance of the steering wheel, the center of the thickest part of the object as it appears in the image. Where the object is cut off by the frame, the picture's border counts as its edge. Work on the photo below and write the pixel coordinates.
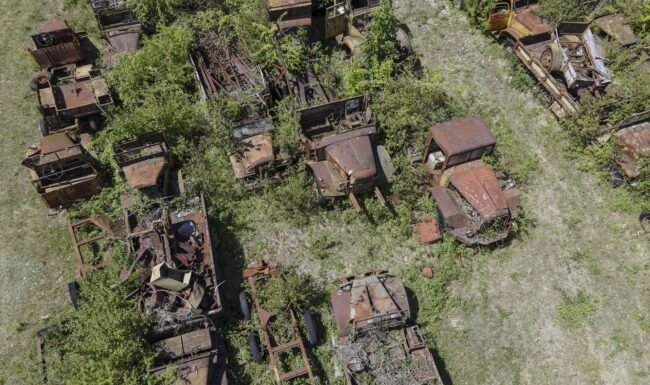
(53, 172)
(45, 39)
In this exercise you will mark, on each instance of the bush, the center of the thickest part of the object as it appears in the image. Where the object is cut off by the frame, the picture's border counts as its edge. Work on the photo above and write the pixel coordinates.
(104, 342)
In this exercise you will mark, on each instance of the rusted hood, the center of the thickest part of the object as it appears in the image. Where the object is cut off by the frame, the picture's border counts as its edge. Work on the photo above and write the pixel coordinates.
(478, 184)
(370, 298)
(354, 156)
(258, 150)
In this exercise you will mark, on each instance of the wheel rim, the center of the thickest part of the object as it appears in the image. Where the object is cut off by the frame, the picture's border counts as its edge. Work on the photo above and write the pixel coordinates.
(547, 59)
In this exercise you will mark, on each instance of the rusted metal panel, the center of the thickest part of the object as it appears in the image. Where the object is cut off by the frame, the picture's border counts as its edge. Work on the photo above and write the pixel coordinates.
(290, 13)
(477, 183)
(461, 136)
(428, 231)
(635, 143)
(616, 27)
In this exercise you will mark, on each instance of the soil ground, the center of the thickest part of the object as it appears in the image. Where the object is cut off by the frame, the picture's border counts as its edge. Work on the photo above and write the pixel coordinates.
(565, 303)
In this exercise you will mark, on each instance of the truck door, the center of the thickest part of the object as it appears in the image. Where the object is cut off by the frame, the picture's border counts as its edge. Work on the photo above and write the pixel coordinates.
(498, 18)
(336, 20)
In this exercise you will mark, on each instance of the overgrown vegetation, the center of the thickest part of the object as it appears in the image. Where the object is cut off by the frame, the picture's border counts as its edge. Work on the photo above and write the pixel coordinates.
(104, 342)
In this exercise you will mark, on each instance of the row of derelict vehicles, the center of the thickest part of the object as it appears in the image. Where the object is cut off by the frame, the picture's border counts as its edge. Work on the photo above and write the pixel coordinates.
(170, 242)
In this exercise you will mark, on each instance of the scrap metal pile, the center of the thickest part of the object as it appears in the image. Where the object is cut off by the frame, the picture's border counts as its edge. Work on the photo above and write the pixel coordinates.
(172, 250)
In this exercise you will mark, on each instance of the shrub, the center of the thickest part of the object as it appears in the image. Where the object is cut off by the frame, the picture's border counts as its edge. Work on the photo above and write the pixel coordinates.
(104, 341)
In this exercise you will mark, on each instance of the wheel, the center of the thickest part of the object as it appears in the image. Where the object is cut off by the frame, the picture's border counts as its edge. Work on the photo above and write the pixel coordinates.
(42, 127)
(45, 39)
(551, 58)
(73, 292)
(644, 219)
(312, 337)
(254, 347)
(243, 305)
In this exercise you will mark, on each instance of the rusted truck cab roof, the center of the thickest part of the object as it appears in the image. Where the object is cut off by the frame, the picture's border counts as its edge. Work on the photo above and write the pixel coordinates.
(457, 141)
(371, 301)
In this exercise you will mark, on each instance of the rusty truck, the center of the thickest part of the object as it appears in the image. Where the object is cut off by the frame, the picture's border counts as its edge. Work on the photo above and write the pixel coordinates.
(564, 57)
(287, 351)
(119, 27)
(378, 342)
(346, 20)
(194, 352)
(340, 142)
(222, 70)
(170, 243)
(473, 206)
(71, 98)
(63, 169)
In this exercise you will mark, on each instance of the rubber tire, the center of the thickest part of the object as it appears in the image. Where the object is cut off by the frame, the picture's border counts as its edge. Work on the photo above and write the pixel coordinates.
(308, 319)
(42, 127)
(92, 124)
(243, 305)
(644, 220)
(254, 347)
(73, 292)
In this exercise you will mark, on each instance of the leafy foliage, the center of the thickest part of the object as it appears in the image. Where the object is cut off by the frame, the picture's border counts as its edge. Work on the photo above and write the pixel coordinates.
(379, 53)
(104, 342)
(290, 289)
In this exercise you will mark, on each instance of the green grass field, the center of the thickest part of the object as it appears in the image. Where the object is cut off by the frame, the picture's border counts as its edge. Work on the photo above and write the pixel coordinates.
(566, 302)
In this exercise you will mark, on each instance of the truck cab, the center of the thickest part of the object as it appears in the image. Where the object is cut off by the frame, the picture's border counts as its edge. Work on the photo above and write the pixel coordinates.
(516, 18)
(473, 205)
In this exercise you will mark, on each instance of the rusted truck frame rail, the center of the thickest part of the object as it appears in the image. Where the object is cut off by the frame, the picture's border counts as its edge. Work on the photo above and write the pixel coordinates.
(255, 277)
(100, 223)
